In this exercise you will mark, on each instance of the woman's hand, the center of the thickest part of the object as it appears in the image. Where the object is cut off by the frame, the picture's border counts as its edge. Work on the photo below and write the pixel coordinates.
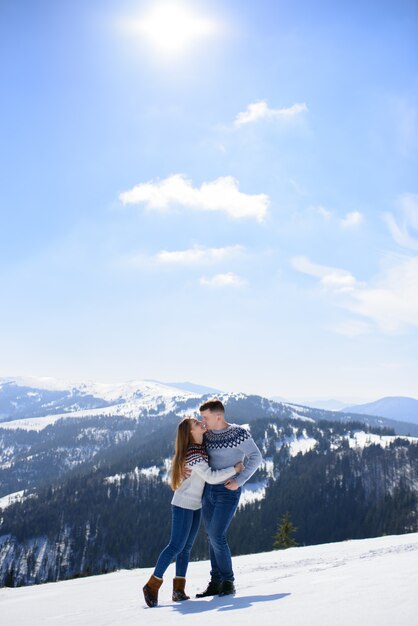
(186, 472)
(239, 467)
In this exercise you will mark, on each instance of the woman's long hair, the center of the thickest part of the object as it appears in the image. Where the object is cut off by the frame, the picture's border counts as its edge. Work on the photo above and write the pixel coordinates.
(183, 441)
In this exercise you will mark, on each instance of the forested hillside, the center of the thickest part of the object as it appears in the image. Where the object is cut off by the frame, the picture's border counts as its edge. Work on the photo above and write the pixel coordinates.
(113, 509)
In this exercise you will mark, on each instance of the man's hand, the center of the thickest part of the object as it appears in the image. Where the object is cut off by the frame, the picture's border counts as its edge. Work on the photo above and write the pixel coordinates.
(232, 484)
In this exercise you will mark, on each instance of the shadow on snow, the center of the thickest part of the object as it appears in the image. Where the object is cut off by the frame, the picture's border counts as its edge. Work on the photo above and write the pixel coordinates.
(224, 603)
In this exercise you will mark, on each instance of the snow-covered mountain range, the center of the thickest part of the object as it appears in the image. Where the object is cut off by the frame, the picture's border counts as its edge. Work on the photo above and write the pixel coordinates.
(22, 399)
(33, 403)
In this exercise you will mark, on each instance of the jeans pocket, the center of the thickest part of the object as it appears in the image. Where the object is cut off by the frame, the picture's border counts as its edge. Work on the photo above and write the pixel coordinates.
(230, 495)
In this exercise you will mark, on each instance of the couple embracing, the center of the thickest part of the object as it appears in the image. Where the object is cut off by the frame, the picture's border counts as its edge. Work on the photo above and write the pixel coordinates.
(207, 474)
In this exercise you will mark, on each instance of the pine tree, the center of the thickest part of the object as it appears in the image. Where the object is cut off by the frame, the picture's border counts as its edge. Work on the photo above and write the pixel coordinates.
(284, 535)
(9, 580)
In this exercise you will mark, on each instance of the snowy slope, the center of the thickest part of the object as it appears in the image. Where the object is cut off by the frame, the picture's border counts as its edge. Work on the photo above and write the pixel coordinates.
(11, 498)
(370, 582)
(128, 399)
(27, 403)
(106, 391)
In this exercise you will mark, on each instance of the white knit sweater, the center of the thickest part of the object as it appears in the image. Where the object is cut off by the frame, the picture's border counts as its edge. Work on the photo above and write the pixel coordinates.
(189, 494)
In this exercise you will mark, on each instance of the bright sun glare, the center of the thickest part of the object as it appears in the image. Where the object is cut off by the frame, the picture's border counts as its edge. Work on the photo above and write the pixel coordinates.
(172, 28)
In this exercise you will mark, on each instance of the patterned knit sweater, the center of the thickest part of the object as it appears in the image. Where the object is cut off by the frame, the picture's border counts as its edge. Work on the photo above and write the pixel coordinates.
(231, 445)
(189, 494)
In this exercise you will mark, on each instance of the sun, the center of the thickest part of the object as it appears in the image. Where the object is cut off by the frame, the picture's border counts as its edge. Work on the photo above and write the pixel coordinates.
(172, 28)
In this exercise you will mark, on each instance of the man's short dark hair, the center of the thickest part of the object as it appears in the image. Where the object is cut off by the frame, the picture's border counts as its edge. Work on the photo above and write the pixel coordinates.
(214, 406)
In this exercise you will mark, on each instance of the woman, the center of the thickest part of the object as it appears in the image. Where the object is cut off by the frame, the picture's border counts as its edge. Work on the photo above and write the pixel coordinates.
(185, 506)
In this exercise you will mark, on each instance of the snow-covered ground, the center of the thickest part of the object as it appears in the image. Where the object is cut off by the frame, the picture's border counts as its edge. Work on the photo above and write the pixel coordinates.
(370, 582)
(10, 499)
(252, 492)
(362, 439)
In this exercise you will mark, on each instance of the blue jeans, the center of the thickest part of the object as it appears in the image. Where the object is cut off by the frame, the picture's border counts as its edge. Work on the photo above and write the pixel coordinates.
(218, 507)
(184, 526)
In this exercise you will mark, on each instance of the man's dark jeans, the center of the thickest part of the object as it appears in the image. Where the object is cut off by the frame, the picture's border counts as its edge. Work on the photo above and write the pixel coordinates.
(218, 507)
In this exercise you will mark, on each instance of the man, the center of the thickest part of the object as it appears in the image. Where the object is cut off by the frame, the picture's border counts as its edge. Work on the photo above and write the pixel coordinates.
(226, 445)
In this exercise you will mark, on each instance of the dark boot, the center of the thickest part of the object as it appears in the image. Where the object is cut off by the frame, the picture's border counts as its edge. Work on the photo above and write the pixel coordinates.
(212, 589)
(179, 583)
(227, 588)
(151, 590)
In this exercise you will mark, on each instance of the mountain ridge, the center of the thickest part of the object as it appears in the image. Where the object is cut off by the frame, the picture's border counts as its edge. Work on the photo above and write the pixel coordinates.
(389, 407)
(35, 407)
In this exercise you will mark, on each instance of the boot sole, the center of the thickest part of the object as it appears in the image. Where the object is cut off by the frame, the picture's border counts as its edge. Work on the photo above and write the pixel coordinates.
(180, 599)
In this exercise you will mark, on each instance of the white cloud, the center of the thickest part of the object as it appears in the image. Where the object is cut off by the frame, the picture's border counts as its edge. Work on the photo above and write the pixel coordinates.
(260, 110)
(405, 232)
(353, 219)
(333, 278)
(350, 220)
(322, 211)
(198, 255)
(223, 280)
(221, 194)
(390, 301)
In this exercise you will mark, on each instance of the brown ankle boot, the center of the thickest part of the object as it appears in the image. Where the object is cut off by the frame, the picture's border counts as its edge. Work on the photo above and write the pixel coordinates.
(179, 583)
(151, 590)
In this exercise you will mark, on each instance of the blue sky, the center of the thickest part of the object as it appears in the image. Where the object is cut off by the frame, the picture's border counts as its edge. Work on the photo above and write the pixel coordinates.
(222, 192)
